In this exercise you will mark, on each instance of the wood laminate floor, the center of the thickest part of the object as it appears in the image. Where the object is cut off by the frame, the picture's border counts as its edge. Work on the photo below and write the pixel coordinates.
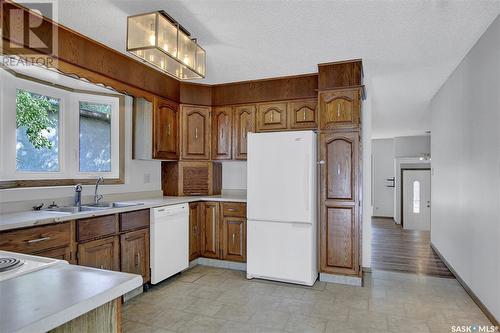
(397, 249)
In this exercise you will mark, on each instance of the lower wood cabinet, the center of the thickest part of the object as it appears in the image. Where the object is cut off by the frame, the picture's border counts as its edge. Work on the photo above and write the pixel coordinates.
(234, 239)
(63, 253)
(134, 253)
(223, 231)
(210, 230)
(102, 253)
(194, 230)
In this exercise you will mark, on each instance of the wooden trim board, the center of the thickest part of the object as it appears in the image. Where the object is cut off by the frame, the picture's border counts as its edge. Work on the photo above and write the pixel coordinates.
(469, 291)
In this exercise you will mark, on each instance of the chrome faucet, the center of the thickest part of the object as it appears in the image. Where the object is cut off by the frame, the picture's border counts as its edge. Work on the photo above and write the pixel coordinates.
(98, 197)
(78, 195)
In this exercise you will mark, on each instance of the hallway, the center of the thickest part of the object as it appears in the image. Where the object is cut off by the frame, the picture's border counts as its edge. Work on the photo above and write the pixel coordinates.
(397, 249)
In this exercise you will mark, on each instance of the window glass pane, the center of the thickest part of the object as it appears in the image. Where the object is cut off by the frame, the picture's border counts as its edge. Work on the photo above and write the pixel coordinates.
(37, 132)
(416, 197)
(95, 137)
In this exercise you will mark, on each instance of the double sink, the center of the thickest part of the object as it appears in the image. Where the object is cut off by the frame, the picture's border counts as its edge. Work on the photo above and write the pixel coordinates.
(92, 207)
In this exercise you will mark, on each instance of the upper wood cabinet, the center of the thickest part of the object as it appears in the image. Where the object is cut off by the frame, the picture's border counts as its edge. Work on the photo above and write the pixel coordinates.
(135, 253)
(303, 114)
(194, 230)
(191, 178)
(195, 132)
(271, 116)
(339, 209)
(222, 133)
(102, 253)
(339, 109)
(210, 230)
(165, 129)
(244, 122)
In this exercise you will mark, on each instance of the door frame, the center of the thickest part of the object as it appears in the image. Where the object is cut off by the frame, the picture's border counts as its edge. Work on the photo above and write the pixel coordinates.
(402, 189)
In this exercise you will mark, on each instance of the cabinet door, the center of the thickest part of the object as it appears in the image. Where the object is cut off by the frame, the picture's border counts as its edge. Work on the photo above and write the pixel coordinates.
(302, 114)
(339, 251)
(63, 253)
(195, 132)
(221, 133)
(234, 239)
(339, 109)
(194, 230)
(102, 253)
(165, 130)
(135, 253)
(210, 230)
(244, 122)
(271, 116)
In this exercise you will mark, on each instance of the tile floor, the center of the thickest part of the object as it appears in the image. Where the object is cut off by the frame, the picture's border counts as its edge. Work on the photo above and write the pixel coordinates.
(206, 299)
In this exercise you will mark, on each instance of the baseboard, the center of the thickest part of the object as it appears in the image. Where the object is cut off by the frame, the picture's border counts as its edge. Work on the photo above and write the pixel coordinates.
(237, 266)
(341, 279)
(366, 269)
(469, 291)
(383, 217)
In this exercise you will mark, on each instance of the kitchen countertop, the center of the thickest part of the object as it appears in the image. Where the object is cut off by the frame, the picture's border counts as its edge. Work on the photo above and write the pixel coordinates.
(45, 299)
(33, 218)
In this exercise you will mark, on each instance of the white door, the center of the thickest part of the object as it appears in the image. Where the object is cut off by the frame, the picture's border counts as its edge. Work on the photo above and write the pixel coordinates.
(417, 199)
(281, 176)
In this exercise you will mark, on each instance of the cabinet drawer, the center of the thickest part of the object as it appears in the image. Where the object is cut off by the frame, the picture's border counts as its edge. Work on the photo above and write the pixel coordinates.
(36, 239)
(234, 209)
(96, 227)
(134, 220)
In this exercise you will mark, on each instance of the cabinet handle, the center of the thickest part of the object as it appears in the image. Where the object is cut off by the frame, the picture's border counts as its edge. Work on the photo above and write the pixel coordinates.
(31, 241)
(321, 162)
(196, 133)
(304, 115)
(137, 259)
(222, 134)
(168, 129)
(338, 110)
(101, 267)
(231, 209)
(233, 237)
(338, 168)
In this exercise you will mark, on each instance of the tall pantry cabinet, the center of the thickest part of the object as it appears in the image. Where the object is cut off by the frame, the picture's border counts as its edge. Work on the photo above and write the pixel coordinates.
(339, 105)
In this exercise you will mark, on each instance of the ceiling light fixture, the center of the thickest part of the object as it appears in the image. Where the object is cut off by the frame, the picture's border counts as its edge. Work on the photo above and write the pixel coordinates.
(159, 40)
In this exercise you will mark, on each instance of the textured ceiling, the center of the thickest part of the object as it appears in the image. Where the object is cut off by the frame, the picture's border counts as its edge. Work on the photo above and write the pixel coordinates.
(409, 48)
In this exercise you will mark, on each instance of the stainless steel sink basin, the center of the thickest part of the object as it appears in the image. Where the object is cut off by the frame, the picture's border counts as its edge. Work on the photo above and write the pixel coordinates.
(93, 207)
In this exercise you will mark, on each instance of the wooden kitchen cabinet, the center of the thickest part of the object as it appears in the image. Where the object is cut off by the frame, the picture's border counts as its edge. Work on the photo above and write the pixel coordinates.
(222, 133)
(243, 123)
(271, 116)
(233, 239)
(165, 129)
(303, 114)
(339, 109)
(134, 246)
(210, 230)
(191, 178)
(102, 253)
(340, 202)
(194, 230)
(195, 132)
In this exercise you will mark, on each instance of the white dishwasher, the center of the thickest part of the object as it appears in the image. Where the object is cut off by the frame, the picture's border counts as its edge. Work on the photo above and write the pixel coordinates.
(169, 241)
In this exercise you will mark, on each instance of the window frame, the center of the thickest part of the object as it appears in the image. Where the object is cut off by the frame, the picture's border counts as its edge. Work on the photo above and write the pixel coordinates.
(69, 130)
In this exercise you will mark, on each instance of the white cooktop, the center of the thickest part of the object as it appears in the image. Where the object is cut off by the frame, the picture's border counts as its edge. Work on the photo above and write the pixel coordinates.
(28, 264)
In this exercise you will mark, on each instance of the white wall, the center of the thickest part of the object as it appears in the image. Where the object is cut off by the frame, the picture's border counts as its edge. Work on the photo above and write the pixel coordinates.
(140, 176)
(366, 143)
(234, 175)
(465, 224)
(383, 168)
(411, 146)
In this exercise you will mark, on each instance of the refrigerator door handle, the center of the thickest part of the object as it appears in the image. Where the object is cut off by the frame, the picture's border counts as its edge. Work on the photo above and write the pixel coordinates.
(306, 192)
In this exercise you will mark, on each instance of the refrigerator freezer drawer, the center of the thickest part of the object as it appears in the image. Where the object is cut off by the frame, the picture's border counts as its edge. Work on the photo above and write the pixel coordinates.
(282, 251)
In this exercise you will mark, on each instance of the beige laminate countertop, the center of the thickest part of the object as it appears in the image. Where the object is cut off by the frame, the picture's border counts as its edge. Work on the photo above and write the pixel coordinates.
(33, 218)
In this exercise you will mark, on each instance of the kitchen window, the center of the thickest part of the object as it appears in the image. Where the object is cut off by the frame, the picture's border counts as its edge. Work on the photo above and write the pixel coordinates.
(57, 133)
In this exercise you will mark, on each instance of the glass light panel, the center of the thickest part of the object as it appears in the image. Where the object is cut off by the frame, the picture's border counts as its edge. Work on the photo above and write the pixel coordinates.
(141, 31)
(201, 60)
(187, 50)
(416, 197)
(167, 36)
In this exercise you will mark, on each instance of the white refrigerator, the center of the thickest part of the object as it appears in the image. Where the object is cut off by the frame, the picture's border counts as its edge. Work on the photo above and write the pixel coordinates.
(281, 207)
